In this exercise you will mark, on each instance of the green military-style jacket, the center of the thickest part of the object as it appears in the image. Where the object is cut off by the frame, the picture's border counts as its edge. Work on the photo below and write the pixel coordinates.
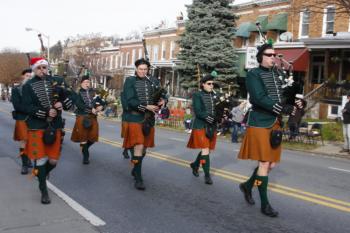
(261, 114)
(38, 98)
(135, 108)
(200, 110)
(83, 107)
(17, 102)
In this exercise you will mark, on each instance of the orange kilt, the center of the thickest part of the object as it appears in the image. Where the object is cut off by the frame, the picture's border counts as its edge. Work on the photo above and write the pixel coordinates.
(21, 131)
(80, 134)
(256, 145)
(198, 140)
(37, 149)
(134, 136)
(124, 129)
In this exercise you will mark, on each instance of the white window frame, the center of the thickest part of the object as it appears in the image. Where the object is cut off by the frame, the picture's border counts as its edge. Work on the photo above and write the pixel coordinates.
(324, 25)
(172, 49)
(121, 60)
(133, 56)
(155, 53)
(301, 24)
(127, 55)
(111, 64)
(140, 53)
(116, 61)
(163, 55)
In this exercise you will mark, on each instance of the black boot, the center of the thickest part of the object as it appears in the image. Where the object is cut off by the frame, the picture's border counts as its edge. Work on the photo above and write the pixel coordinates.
(269, 211)
(205, 161)
(49, 167)
(85, 151)
(247, 194)
(207, 179)
(45, 199)
(126, 154)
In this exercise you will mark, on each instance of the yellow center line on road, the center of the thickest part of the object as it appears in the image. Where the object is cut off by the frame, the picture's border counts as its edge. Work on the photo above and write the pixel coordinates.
(287, 191)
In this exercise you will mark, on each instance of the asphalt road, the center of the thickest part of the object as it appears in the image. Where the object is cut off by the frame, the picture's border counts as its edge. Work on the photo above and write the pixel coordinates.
(312, 193)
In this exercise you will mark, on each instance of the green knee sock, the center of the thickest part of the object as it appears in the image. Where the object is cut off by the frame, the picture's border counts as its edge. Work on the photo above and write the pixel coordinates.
(262, 182)
(49, 167)
(197, 161)
(137, 161)
(85, 150)
(42, 178)
(205, 161)
(250, 182)
(89, 144)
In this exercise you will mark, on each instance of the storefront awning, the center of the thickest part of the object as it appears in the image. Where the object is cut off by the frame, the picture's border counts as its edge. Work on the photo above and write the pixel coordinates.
(263, 23)
(278, 22)
(299, 57)
(241, 65)
(243, 30)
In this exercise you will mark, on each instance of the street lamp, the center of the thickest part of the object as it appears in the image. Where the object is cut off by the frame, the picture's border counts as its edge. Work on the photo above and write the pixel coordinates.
(46, 36)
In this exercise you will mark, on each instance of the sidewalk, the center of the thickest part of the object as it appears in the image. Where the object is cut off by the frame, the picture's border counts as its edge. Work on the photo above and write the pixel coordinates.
(331, 149)
(22, 212)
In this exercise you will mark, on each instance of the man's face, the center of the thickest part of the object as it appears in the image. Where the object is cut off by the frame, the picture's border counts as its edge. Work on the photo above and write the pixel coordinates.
(41, 71)
(208, 86)
(268, 58)
(26, 76)
(142, 70)
(85, 84)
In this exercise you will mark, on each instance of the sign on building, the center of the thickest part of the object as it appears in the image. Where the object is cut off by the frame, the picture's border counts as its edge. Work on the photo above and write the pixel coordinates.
(250, 61)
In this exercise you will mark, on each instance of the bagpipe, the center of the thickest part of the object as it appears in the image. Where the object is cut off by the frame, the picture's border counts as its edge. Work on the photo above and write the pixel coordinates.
(285, 71)
(159, 93)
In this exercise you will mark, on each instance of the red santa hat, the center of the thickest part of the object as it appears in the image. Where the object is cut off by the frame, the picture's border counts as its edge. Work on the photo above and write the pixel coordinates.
(38, 61)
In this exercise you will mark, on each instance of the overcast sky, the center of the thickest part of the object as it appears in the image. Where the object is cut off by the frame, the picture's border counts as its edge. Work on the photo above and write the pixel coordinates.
(63, 18)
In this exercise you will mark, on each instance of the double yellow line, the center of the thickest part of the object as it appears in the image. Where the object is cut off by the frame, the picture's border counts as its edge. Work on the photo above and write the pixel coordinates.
(287, 191)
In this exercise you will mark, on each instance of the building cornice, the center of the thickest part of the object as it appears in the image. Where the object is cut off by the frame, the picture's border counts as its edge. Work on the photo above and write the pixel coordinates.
(250, 4)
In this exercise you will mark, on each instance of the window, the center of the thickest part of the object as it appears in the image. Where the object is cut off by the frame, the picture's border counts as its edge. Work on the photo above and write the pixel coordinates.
(155, 53)
(112, 65)
(304, 24)
(127, 55)
(163, 50)
(245, 42)
(140, 53)
(172, 49)
(133, 56)
(328, 20)
(121, 59)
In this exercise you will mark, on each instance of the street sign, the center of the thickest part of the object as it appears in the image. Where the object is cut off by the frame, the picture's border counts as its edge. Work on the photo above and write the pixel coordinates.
(250, 61)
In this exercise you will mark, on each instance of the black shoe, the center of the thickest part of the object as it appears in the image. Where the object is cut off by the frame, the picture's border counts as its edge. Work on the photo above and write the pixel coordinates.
(45, 199)
(247, 194)
(194, 170)
(208, 180)
(269, 211)
(86, 160)
(24, 170)
(126, 155)
(139, 185)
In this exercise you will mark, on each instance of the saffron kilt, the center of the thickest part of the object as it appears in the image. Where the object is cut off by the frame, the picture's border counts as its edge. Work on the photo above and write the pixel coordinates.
(81, 134)
(134, 136)
(256, 145)
(36, 148)
(198, 140)
(21, 131)
(124, 129)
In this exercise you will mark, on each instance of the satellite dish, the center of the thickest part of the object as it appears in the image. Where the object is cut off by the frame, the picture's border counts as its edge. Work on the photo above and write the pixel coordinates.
(286, 36)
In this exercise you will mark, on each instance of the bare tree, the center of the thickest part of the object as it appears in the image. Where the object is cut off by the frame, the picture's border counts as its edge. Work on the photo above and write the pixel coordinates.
(12, 63)
(342, 7)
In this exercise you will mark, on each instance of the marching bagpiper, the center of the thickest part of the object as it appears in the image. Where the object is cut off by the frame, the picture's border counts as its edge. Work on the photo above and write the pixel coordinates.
(139, 92)
(20, 131)
(86, 126)
(45, 98)
(203, 135)
(263, 135)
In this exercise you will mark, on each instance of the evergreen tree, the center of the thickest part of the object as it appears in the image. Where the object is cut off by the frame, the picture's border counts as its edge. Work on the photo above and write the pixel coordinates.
(207, 43)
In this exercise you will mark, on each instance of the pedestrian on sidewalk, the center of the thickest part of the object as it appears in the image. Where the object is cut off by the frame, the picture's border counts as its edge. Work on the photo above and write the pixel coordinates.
(88, 106)
(20, 132)
(346, 125)
(263, 135)
(203, 135)
(45, 98)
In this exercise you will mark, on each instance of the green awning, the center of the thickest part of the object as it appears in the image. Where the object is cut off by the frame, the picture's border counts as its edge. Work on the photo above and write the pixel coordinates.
(241, 65)
(243, 29)
(263, 22)
(278, 22)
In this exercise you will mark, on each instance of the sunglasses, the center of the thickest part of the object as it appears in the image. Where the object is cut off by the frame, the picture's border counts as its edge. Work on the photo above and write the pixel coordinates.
(270, 54)
(42, 67)
(210, 84)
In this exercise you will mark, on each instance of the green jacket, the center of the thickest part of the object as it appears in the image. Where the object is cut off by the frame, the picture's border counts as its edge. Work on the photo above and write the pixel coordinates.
(39, 95)
(261, 114)
(135, 108)
(83, 108)
(16, 99)
(200, 111)
(124, 106)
